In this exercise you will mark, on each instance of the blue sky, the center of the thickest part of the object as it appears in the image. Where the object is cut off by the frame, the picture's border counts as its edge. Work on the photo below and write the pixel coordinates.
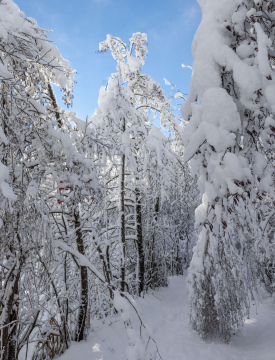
(79, 26)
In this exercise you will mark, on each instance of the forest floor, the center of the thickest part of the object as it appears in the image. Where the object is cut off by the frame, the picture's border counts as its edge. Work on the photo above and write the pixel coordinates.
(166, 312)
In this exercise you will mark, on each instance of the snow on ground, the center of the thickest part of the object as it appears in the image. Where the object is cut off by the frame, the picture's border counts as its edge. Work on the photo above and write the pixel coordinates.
(166, 312)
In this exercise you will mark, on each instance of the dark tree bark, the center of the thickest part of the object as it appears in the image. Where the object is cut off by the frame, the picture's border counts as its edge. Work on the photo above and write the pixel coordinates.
(82, 315)
(122, 218)
(153, 265)
(122, 224)
(141, 269)
(9, 314)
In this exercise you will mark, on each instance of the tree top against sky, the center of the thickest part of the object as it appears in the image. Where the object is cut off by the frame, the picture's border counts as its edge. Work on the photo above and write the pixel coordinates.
(79, 27)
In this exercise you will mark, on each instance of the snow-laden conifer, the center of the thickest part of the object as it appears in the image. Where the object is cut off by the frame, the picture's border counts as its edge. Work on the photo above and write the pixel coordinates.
(229, 145)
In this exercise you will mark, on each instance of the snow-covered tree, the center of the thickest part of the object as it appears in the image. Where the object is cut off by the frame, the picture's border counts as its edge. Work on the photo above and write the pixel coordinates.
(228, 143)
(140, 168)
(32, 143)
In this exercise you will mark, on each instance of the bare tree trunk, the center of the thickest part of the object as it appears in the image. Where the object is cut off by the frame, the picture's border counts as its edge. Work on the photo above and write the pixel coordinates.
(53, 98)
(153, 265)
(82, 315)
(122, 223)
(9, 314)
(13, 321)
(141, 269)
(106, 265)
(65, 306)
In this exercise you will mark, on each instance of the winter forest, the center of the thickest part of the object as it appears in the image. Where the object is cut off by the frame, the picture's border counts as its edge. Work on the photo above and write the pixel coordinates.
(141, 232)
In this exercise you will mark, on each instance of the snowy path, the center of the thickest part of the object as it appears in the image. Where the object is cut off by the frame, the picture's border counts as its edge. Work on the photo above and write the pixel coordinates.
(166, 312)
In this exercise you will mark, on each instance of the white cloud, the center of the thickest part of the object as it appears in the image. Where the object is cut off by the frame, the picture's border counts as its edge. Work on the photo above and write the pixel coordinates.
(186, 66)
